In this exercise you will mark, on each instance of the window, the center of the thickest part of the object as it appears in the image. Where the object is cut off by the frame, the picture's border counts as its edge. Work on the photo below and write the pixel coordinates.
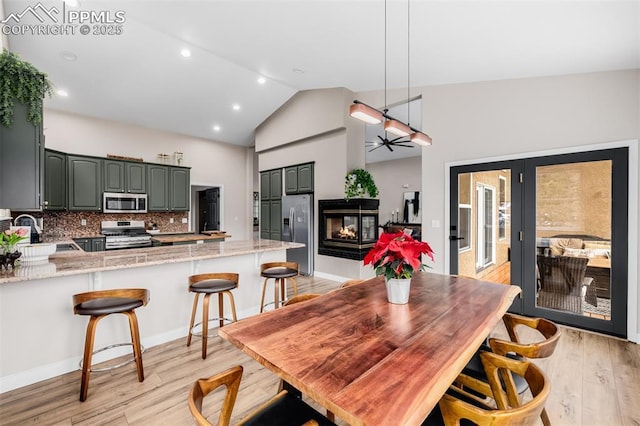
(502, 208)
(464, 227)
(464, 212)
(485, 210)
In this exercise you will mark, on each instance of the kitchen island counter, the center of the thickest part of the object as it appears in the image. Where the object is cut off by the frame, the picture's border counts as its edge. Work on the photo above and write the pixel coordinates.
(39, 297)
(80, 262)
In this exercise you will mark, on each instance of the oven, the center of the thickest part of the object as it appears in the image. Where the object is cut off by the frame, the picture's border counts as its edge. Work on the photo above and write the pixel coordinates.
(122, 234)
(113, 202)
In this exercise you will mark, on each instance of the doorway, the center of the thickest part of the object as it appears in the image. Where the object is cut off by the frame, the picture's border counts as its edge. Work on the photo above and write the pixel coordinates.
(208, 209)
(556, 226)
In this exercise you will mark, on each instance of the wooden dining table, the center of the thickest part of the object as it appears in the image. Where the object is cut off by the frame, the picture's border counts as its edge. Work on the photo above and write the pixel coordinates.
(372, 362)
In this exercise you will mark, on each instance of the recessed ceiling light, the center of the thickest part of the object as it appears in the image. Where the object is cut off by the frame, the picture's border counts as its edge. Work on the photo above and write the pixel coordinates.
(262, 80)
(69, 56)
(185, 52)
(62, 92)
(216, 128)
(236, 107)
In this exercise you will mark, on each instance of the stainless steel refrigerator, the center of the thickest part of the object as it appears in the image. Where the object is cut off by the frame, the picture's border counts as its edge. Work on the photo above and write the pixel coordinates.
(297, 226)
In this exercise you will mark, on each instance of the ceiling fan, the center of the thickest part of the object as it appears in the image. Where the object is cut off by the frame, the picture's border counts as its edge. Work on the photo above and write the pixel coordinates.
(389, 143)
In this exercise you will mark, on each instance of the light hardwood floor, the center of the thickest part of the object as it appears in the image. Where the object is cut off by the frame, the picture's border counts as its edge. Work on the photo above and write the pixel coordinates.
(595, 381)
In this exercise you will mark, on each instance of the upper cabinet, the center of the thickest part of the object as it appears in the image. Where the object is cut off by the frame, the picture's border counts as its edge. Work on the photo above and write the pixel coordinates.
(55, 180)
(124, 176)
(21, 163)
(271, 184)
(84, 183)
(158, 186)
(299, 179)
(179, 189)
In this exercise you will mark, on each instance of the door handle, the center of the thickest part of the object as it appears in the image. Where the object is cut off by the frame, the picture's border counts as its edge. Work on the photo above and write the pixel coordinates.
(292, 226)
(455, 238)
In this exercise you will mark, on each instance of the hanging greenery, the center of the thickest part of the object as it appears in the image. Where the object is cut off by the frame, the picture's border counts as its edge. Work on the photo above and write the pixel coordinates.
(22, 82)
(359, 182)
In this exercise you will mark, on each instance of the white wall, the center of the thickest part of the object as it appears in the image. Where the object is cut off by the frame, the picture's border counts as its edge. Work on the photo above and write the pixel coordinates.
(391, 177)
(212, 163)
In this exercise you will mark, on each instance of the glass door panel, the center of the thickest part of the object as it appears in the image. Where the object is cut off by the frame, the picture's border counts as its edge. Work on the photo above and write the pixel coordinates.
(573, 238)
(483, 240)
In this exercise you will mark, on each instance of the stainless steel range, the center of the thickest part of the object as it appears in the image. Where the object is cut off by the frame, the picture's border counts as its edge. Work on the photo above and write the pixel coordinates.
(125, 234)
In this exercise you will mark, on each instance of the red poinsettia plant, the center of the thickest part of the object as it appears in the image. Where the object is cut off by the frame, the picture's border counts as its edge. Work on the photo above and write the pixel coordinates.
(397, 255)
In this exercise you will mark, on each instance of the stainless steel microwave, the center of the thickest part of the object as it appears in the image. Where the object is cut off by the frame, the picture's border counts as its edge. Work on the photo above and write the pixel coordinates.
(113, 202)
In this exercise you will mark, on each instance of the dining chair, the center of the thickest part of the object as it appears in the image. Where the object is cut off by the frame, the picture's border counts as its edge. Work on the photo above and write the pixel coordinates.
(283, 409)
(349, 283)
(458, 404)
(517, 348)
(301, 298)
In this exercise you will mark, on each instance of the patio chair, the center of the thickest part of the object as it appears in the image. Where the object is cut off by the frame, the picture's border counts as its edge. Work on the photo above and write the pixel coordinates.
(563, 284)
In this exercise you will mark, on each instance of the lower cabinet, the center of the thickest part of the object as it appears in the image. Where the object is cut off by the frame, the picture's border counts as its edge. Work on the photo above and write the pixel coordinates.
(91, 244)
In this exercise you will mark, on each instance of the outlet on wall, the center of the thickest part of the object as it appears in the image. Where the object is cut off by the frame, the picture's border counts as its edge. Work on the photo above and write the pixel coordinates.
(170, 220)
(83, 222)
(184, 220)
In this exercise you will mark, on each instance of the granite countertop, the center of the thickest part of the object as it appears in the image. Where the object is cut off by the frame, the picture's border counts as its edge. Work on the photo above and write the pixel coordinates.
(80, 262)
(177, 238)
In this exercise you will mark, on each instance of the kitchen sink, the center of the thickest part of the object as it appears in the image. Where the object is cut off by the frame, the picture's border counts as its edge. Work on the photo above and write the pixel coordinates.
(66, 247)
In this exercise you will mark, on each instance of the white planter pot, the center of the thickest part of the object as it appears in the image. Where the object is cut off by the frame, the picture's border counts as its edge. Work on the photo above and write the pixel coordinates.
(398, 290)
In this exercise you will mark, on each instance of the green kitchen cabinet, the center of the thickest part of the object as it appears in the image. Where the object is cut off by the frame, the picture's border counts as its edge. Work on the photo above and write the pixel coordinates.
(21, 163)
(299, 179)
(135, 177)
(91, 244)
(265, 215)
(55, 180)
(124, 176)
(275, 216)
(179, 189)
(84, 183)
(270, 204)
(265, 186)
(158, 187)
(114, 176)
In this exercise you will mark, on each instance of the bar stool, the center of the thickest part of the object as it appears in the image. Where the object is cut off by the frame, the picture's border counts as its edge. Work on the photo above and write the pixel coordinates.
(208, 284)
(99, 304)
(279, 271)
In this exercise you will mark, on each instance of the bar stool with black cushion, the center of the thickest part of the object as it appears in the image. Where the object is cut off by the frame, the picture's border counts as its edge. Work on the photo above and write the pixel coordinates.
(280, 272)
(517, 349)
(219, 283)
(99, 304)
(283, 409)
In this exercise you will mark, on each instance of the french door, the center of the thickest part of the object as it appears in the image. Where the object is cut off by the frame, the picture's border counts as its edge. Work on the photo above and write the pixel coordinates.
(556, 226)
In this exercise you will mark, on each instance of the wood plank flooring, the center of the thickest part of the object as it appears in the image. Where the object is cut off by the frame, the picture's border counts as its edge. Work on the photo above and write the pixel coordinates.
(595, 381)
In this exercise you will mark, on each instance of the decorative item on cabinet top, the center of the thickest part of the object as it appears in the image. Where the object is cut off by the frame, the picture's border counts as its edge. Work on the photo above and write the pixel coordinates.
(121, 157)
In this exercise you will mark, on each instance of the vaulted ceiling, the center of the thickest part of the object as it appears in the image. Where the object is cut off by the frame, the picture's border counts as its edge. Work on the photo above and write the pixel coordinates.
(140, 76)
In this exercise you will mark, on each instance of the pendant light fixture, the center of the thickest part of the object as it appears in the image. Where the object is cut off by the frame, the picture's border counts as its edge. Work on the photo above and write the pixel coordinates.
(371, 115)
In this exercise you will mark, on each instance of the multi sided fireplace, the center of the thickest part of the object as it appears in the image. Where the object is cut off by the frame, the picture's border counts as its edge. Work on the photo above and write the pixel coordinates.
(348, 229)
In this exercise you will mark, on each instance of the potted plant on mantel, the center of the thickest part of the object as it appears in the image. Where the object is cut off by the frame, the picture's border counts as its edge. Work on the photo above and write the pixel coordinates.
(397, 257)
(20, 81)
(359, 182)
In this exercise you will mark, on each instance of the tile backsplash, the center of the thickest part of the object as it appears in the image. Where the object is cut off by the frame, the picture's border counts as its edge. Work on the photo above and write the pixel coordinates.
(60, 225)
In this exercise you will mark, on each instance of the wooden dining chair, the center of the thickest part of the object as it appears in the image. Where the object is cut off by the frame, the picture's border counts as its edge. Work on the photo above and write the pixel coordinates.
(517, 348)
(350, 283)
(283, 409)
(458, 404)
(301, 298)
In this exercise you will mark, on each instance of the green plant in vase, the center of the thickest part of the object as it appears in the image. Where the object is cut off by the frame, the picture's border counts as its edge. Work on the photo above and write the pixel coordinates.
(359, 182)
(8, 241)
